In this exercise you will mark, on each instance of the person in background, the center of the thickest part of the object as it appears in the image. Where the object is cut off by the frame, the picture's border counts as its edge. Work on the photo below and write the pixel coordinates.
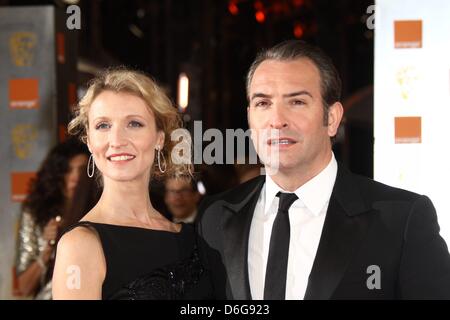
(181, 198)
(44, 210)
(86, 195)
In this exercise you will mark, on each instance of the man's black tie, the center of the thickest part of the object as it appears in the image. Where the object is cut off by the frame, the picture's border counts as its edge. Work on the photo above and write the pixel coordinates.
(275, 283)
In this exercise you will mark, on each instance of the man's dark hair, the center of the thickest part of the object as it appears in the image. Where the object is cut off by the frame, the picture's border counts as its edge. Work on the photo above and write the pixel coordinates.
(330, 82)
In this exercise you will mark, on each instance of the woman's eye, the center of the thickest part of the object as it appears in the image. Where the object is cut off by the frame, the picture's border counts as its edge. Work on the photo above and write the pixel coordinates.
(135, 124)
(102, 125)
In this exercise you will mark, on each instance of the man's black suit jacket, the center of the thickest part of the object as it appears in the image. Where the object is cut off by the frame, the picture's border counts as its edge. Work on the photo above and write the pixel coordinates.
(367, 224)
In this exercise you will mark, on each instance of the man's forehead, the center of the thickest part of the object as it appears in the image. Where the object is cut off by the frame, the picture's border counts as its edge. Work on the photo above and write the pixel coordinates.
(281, 66)
(285, 79)
(288, 71)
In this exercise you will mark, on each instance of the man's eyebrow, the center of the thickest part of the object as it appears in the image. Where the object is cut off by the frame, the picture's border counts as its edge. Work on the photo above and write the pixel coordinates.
(287, 95)
(260, 95)
(297, 93)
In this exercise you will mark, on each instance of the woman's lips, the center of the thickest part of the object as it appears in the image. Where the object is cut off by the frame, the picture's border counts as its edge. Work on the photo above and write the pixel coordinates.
(120, 157)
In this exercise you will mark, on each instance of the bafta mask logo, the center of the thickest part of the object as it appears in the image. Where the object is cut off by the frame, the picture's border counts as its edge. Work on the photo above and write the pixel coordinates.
(407, 78)
(23, 137)
(22, 46)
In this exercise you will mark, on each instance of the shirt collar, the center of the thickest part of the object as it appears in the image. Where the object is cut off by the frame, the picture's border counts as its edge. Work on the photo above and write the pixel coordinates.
(314, 194)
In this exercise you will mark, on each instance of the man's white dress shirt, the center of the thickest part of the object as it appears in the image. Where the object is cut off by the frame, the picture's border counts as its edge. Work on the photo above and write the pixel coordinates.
(306, 215)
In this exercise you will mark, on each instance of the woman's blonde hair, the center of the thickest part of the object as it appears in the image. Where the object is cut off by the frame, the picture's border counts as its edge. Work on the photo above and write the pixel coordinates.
(136, 83)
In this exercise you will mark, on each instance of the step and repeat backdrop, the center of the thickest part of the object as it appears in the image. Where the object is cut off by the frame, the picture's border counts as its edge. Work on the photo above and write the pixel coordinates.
(37, 86)
(412, 99)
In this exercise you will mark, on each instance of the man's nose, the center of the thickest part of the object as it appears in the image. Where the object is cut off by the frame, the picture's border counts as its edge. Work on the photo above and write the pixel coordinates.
(178, 193)
(278, 117)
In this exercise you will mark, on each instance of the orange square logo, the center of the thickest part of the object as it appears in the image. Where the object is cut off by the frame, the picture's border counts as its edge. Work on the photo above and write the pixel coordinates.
(408, 130)
(20, 182)
(408, 34)
(24, 93)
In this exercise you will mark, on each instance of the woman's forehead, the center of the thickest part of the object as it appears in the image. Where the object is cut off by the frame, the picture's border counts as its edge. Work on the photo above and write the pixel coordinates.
(119, 104)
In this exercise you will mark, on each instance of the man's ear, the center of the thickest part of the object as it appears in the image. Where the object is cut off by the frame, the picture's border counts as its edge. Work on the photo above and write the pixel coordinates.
(335, 114)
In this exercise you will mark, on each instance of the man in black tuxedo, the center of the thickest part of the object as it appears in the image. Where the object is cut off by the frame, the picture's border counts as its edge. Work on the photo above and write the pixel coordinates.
(309, 228)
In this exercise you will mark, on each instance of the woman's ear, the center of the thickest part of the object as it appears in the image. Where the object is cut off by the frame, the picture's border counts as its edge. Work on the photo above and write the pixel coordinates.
(160, 140)
(88, 144)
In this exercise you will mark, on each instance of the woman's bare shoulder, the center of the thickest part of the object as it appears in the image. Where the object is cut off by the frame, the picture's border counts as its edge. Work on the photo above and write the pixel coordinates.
(79, 256)
(79, 237)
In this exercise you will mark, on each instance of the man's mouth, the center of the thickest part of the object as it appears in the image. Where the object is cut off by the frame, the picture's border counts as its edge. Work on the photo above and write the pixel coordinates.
(281, 141)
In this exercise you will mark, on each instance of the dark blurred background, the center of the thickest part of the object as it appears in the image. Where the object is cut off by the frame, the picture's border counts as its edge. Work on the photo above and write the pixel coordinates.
(214, 42)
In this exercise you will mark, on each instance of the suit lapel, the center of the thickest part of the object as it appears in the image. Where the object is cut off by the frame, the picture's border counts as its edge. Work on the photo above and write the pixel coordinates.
(236, 235)
(343, 230)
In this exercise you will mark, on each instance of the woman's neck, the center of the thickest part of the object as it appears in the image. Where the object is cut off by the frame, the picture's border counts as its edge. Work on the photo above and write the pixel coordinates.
(126, 201)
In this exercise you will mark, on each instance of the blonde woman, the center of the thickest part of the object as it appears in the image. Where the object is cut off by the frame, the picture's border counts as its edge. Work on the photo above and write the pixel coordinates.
(124, 248)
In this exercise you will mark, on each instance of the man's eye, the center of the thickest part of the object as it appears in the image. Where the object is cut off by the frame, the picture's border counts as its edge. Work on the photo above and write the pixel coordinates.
(135, 124)
(102, 125)
(261, 104)
(298, 102)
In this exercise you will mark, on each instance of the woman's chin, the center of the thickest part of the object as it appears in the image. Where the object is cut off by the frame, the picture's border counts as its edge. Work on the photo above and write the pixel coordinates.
(124, 177)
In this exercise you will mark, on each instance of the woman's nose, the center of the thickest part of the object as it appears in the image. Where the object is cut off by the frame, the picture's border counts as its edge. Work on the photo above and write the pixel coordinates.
(117, 137)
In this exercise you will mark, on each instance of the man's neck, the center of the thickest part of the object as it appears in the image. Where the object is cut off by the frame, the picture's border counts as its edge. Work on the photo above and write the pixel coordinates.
(292, 179)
